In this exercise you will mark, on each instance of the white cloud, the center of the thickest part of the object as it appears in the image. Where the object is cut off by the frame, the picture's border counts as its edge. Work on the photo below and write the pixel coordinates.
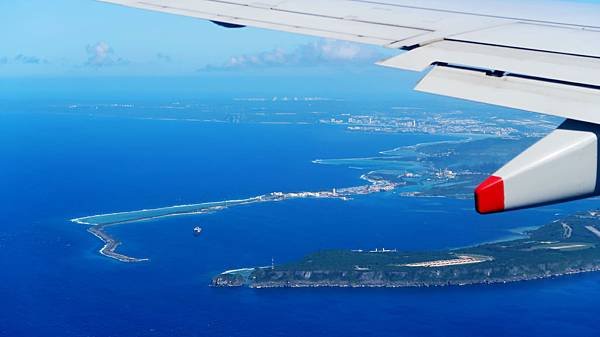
(102, 54)
(316, 53)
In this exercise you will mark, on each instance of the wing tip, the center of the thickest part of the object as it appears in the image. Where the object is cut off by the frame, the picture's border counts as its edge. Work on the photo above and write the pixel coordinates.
(489, 196)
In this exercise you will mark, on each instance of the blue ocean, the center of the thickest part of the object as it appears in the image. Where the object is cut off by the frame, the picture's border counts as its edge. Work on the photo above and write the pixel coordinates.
(57, 164)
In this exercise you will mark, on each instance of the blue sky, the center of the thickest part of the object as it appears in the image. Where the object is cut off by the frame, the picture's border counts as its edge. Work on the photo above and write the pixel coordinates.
(84, 37)
(71, 38)
(44, 40)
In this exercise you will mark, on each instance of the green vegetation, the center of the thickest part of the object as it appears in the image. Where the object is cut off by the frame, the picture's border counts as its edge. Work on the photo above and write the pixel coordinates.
(570, 245)
(450, 169)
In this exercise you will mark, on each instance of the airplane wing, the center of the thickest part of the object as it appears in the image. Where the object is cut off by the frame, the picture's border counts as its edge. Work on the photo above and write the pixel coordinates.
(540, 56)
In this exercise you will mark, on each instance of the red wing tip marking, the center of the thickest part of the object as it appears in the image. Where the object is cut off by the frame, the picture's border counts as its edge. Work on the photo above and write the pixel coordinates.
(489, 196)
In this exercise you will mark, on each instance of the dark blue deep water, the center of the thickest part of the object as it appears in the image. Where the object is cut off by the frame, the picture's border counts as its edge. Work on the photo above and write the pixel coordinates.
(54, 167)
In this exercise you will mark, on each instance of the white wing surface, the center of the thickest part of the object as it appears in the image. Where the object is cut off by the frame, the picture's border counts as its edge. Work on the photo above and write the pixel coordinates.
(541, 56)
(528, 50)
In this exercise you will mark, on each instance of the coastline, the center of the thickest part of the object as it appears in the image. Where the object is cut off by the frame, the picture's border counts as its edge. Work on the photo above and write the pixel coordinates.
(547, 251)
(421, 285)
(98, 223)
(111, 245)
(430, 182)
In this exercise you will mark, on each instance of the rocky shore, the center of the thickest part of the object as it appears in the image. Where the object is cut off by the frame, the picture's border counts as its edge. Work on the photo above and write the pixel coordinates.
(223, 282)
(566, 247)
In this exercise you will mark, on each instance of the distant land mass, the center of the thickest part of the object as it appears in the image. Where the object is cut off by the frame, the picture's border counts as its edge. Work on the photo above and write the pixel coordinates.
(436, 169)
(439, 169)
(567, 246)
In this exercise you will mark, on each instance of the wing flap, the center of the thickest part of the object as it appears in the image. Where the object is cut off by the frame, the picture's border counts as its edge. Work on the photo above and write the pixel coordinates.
(585, 70)
(538, 37)
(568, 101)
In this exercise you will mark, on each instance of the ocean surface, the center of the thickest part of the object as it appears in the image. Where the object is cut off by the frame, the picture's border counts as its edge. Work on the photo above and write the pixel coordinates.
(58, 166)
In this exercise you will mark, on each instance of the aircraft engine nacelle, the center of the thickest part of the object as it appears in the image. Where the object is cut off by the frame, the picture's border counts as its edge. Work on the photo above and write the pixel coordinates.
(562, 166)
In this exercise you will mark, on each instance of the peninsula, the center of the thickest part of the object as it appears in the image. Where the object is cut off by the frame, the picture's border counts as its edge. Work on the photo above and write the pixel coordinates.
(566, 246)
(100, 223)
(448, 168)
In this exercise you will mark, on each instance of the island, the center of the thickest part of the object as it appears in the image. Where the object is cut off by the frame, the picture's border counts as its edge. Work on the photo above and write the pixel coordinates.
(566, 246)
